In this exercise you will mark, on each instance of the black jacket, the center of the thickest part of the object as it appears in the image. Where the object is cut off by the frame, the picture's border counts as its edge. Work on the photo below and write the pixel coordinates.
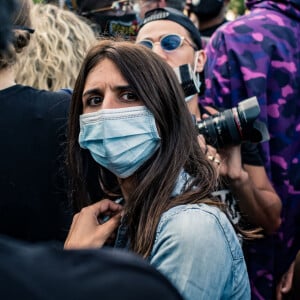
(42, 272)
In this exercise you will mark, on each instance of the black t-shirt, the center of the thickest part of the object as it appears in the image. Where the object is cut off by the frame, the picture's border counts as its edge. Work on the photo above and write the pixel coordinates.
(251, 154)
(33, 196)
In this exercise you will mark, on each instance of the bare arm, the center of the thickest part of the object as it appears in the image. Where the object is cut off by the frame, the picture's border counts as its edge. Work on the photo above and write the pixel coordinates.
(257, 198)
(258, 201)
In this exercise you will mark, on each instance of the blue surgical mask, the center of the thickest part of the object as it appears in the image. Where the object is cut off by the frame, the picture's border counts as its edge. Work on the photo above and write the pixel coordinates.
(121, 139)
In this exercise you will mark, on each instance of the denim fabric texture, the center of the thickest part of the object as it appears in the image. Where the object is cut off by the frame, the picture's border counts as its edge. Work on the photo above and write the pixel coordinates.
(197, 248)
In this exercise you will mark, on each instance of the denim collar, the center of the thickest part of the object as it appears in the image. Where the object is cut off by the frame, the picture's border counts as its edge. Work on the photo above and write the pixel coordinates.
(181, 182)
(122, 240)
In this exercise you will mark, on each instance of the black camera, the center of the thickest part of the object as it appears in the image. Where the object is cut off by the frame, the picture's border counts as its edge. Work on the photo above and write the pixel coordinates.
(234, 126)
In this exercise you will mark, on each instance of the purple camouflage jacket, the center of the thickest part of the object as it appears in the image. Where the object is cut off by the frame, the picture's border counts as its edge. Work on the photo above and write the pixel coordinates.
(259, 55)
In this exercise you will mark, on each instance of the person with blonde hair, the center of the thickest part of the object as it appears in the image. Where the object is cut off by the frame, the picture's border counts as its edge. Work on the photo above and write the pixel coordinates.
(57, 49)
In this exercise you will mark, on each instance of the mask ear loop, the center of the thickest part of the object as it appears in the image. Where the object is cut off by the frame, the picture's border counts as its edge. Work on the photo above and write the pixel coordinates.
(196, 62)
(195, 69)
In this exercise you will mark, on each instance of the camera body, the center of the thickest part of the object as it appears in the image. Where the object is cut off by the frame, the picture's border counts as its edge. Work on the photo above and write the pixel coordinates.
(234, 126)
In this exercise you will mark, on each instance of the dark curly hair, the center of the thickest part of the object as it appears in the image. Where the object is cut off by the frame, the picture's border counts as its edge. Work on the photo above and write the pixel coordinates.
(21, 37)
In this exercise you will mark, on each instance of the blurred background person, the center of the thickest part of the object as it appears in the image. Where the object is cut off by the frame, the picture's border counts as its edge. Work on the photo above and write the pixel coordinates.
(208, 14)
(117, 18)
(57, 48)
(258, 55)
(146, 5)
(111, 18)
(33, 193)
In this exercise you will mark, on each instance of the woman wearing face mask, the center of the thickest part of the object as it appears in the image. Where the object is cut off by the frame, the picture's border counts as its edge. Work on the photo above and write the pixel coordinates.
(129, 122)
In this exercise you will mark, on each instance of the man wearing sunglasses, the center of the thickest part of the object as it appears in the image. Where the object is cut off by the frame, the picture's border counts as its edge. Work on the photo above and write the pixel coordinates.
(175, 38)
(172, 35)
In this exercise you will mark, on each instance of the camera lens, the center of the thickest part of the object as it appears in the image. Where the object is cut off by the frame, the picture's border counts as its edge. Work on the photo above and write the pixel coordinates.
(220, 129)
(235, 125)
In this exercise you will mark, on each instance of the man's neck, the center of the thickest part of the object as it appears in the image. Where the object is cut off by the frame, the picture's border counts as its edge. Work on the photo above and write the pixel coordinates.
(194, 108)
(7, 78)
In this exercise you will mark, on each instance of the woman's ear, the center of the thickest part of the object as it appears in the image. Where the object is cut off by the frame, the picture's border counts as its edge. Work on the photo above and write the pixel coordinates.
(201, 60)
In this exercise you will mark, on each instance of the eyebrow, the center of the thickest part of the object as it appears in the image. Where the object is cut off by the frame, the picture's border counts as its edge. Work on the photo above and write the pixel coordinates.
(152, 38)
(91, 91)
(97, 90)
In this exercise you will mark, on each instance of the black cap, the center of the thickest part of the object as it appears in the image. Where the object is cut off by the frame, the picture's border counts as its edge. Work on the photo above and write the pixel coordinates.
(176, 16)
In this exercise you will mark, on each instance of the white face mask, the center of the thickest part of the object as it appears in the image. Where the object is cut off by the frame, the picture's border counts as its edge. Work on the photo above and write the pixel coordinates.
(189, 98)
(198, 82)
(197, 85)
(189, 78)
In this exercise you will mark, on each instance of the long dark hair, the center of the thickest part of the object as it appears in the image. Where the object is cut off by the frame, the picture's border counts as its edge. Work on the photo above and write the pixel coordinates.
(155, 83)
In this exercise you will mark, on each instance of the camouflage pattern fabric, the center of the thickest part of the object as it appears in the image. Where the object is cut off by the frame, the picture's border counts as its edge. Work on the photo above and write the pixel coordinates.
(259, 55)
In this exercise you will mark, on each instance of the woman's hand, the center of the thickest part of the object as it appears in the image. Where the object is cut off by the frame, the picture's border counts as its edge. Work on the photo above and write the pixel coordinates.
(88, 230)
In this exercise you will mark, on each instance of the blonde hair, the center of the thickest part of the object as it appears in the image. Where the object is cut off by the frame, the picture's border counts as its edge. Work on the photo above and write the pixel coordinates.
(56, 50)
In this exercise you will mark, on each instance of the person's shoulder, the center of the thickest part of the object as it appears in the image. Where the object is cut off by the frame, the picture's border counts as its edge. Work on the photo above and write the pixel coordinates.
(192, 209)
(192, 221)
(252, 21)
(60, 95)
(48, 104)
(239, 35)
(204, 217)
(43, 95)
(240, 26)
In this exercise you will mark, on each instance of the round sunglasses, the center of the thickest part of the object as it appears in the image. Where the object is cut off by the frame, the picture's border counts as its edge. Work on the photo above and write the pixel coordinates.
(168, 43)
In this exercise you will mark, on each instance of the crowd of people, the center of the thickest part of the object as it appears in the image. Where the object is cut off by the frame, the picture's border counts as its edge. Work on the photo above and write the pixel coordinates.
(138, 137)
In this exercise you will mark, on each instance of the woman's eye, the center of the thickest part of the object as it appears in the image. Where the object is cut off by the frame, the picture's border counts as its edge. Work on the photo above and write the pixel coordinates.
(94, 101)
(128, 96)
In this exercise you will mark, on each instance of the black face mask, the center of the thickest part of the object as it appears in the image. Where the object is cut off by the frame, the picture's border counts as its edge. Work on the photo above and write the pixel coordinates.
(206, 9)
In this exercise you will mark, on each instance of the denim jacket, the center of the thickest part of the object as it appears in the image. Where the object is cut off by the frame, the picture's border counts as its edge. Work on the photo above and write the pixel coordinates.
(197, 249)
